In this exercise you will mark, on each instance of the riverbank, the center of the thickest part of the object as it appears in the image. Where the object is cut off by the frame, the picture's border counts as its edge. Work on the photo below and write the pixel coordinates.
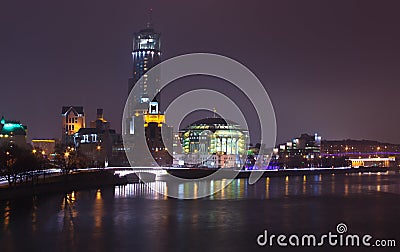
(63, 183)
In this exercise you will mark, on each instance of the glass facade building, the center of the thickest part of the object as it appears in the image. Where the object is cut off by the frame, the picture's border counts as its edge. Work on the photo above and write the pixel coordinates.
(146, 54)
(214, 143)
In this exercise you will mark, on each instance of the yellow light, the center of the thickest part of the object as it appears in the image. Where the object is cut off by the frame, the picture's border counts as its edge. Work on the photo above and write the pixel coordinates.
(66, 154)
(98, 194)
(43, 152)
(43, 141)
(159, 119)
(98, 147)
(34, 151)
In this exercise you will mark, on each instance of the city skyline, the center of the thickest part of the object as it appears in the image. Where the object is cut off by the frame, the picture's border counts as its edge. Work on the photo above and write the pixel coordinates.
(336, 76)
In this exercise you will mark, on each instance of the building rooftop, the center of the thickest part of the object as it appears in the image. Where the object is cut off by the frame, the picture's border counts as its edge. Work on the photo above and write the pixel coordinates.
(214, 124)
(12, 128)
(75, 109)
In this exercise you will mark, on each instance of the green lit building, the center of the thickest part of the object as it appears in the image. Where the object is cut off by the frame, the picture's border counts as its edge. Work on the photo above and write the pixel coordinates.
(214, 143)
(12, 132)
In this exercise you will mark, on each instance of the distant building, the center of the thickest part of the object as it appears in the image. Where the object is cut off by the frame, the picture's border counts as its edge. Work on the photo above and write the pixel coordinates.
(214, 143)
(45, 146)
(372, 162)
(301, 152)
(145, 119)
(305, 145)
(100, 122)
(365, 150)
(154, 130)
(146, 54)
(73, 119)
(97, 143)
(12, 132)
(358, 148)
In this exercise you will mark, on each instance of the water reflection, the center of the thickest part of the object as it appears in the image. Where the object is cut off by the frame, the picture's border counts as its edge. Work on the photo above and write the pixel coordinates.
(7, 214)
(141, 190)
(34, 213)
(98, 209)
(286, 185)
(270, 187)
(66, 217)
(132, 215)
(304, 189)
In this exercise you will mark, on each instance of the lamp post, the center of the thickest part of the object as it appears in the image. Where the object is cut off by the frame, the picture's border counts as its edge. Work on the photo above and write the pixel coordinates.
(377, 150)
(66, 157)
(98, 150)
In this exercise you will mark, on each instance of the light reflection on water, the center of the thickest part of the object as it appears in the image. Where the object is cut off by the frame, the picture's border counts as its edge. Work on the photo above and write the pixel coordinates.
(129, 216)
(275, 187)
(6, 218)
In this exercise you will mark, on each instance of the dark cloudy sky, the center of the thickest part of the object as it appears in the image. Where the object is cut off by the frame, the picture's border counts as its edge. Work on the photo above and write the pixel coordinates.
(331, 67)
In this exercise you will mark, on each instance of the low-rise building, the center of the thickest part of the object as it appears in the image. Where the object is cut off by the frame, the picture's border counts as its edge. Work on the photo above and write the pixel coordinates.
(96, 143)
(73, 119)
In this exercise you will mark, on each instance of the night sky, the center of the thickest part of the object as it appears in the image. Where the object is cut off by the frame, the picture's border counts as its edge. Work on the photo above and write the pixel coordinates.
(331, 67)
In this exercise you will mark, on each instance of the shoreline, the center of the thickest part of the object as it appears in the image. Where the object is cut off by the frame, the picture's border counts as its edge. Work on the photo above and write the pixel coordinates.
(63, 184)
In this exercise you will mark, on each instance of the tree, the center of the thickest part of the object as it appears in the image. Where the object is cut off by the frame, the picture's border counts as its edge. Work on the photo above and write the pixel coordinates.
(17, 163)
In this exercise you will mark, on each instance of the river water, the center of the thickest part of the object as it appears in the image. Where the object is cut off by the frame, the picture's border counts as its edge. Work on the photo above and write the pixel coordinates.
(135, 218)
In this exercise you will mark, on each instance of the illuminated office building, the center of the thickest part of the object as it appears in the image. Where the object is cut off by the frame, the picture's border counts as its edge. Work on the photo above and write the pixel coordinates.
(146, 54)
(214, 143)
